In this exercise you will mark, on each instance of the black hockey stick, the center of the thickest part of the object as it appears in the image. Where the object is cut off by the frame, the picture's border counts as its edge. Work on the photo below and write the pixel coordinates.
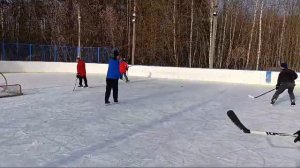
(260, 94)
(239, 124)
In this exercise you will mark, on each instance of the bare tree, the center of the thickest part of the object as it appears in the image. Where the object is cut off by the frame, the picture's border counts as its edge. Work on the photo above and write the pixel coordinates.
(231, 36)
(191, 33)
(174, 33)
(223, 36)
(128, 26)
(260, 32)
(79, 32)
(251, 35)
(2, 24)
(281, 37)
(2, 33)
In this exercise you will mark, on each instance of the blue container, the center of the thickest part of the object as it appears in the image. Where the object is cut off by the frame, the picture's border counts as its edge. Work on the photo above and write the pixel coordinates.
(268, 76)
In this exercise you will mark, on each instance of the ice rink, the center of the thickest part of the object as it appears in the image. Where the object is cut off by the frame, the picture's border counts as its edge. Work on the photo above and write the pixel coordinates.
(158, 123)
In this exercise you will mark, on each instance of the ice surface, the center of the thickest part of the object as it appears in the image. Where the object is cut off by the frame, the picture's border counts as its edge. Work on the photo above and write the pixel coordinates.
(158, 122)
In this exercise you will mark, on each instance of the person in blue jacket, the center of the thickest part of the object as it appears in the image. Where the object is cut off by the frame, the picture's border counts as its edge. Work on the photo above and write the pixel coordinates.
(112, 77)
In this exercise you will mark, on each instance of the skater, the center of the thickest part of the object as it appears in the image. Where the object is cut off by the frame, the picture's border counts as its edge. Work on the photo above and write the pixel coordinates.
(112, 77)
(81, 73)
(124, 69)
(286, 80)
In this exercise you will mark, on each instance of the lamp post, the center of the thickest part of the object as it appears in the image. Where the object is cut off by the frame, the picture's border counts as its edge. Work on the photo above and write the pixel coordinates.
(214, 18)
(133, 33)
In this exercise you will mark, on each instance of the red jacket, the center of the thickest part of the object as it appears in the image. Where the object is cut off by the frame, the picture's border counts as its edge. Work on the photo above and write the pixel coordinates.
(123, 67)
(81, 68)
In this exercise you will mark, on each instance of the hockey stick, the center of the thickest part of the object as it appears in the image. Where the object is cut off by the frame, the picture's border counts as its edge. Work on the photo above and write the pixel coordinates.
(260, 94)
(239, 124)
(75, 84)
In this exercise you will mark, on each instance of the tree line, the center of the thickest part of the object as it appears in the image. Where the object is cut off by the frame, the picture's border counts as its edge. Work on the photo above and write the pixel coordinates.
(250, 34)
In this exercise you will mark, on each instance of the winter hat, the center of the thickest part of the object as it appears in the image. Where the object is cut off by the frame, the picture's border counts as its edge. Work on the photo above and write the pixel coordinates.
(116, 53)
(284, 65)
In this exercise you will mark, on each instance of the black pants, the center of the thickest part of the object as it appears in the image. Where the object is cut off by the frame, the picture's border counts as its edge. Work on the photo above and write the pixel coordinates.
(111, 84)
(80, 80)
(282, 87)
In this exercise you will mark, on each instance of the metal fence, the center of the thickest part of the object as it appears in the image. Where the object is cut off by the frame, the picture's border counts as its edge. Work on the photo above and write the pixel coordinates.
(53, 53)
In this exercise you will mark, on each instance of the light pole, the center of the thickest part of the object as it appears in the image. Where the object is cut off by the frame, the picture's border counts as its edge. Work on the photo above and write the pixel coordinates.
(133, 33)
(79, 19)
(214, 18)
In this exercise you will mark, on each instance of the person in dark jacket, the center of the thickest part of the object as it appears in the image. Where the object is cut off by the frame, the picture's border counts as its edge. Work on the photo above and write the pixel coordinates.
(81, 73)
(286, 80)
(112, 77)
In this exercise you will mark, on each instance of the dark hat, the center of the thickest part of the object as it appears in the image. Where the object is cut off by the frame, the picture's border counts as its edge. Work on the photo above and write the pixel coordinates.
(284, 65)
(116, 53)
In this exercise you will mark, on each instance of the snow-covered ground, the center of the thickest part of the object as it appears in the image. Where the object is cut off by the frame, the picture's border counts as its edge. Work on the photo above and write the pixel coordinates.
(158, 122)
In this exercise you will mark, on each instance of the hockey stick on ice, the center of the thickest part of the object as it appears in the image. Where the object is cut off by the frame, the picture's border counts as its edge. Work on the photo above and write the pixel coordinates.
(75, 84)
(239, 124)
(260, 94)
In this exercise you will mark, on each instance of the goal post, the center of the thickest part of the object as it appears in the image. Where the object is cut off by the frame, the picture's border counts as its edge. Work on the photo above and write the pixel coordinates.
(7, 90)
(3, 81)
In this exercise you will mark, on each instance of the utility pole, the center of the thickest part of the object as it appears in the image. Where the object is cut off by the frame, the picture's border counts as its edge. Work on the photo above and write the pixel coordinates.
(213, 32)
(79, 19)
(133, 33)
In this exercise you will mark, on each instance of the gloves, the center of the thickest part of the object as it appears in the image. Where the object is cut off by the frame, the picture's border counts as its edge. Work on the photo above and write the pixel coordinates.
(297, 138)
(277, 87)
(77, 75)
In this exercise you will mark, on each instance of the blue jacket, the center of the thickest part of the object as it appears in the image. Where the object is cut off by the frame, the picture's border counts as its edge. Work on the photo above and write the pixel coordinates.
(113, 69)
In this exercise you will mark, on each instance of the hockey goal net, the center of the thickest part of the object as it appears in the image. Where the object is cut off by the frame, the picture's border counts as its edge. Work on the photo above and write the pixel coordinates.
(8, 90)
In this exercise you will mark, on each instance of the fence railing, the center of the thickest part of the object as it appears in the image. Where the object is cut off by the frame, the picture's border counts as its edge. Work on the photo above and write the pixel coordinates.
(53, 53)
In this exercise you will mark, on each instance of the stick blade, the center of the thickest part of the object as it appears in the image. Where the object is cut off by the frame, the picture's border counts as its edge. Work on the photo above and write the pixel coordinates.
(251, 96)
(236, 121)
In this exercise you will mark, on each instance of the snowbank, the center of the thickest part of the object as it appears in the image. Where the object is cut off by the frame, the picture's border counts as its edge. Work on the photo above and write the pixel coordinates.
(217, 75)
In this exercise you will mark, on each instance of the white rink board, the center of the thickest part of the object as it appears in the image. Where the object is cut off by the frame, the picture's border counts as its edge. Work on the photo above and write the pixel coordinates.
(197, 74)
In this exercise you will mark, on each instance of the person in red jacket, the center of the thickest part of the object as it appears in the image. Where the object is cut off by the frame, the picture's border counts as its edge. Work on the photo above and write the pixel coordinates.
(81, 73)
(124, 69)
